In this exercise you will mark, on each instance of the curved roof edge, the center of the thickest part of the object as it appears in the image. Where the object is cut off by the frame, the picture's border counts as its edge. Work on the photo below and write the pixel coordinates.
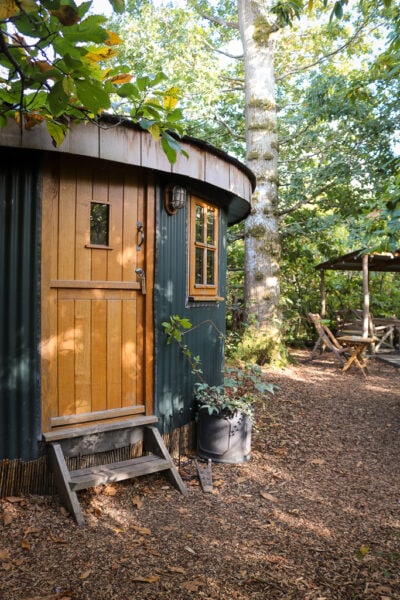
(188, 139)
(119, 140)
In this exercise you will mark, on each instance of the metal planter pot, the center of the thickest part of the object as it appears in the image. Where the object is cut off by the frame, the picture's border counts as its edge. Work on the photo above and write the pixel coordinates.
(224, 439)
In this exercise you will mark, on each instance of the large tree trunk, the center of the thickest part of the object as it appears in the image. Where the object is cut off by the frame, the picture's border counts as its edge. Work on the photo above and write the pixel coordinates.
(262, 241)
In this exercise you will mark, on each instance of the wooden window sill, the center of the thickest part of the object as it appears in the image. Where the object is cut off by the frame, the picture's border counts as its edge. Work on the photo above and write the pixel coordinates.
(98, 247)
(206, 298)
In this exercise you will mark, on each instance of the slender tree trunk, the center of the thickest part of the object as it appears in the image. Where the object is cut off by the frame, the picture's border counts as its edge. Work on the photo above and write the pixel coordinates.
(263, 248)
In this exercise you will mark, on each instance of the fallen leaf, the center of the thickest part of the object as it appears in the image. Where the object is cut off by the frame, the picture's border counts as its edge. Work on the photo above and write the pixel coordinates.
(149, 579)
(318, 461)
(193, 586)
(4, 555)
(110, 490)
(189, 549)
(85, 574)
(218, 483)
(269, 497)
(31, 530)
(136, 500)
(241, 480)
(176, 570)
(117, 530)
(58, 539)
(152, 552)
(8, 517)
(280, 451)
(362, 551)
(359, 464)
(25, 544)
(142, 530)
(383, 589)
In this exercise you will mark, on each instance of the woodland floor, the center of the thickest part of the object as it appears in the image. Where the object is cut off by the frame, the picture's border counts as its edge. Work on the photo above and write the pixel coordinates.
(314, 515)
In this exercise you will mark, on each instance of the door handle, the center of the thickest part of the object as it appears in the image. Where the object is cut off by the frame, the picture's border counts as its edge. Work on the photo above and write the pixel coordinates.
(140, 273)
(140, 229)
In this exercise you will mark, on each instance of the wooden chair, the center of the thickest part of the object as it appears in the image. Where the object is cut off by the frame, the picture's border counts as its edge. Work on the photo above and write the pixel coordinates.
(326, 339)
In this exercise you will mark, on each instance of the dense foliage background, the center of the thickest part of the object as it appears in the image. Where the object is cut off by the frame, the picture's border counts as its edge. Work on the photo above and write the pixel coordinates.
(337, 69)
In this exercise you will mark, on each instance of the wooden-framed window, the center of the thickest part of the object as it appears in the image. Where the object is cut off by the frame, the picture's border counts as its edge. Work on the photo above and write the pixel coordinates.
(100, 219)
(203, 250)
(99, 223)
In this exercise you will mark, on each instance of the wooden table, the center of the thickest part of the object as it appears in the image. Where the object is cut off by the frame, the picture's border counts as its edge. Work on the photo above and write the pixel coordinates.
(357, 346)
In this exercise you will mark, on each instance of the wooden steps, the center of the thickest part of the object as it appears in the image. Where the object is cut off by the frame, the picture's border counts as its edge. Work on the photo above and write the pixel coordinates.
(101, 438)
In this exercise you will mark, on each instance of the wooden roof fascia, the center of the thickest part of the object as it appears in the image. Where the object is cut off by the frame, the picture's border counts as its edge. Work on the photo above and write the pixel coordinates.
(379, 262)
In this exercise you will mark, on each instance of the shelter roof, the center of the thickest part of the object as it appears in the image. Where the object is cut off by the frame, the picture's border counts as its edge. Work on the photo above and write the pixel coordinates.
(377, 261)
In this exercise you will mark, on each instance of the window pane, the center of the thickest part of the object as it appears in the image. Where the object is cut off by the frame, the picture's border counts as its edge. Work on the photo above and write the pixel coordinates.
(199, 266)
(210, 226)
(199, 223)
(210, 267)
(99, 223)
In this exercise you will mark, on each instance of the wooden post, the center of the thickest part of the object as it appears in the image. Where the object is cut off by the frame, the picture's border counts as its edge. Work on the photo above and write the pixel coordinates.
(323, 293)
(366, 295)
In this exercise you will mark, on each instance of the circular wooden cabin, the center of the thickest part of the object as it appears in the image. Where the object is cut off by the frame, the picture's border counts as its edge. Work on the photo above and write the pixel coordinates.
(102, 239)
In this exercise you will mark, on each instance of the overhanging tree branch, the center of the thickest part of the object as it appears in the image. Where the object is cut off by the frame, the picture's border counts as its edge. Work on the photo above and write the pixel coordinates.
(325, 56)
(306, 200)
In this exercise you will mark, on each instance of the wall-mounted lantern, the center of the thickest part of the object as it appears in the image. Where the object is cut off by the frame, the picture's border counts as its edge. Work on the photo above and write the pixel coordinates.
(175, 198)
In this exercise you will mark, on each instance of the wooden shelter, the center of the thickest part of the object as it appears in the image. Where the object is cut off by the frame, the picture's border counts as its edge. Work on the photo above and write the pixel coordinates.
(101, 240)
(360, 260)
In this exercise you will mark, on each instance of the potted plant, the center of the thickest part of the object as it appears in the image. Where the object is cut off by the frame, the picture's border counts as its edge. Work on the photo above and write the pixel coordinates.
(226, 412)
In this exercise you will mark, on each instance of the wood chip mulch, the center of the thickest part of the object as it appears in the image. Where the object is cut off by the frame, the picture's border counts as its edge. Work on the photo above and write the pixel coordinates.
(315, 515)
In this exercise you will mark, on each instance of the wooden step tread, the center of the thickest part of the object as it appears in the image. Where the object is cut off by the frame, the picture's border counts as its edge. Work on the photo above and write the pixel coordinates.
(74, 432)
(118, 471)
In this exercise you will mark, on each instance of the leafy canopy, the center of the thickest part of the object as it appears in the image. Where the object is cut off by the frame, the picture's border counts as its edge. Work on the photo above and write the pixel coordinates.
(55, 67)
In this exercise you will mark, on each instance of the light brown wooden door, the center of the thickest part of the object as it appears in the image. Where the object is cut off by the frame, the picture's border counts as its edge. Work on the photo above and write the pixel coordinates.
(97, 244)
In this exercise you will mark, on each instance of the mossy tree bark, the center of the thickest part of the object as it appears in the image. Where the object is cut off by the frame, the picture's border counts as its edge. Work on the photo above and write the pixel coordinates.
(262, 242)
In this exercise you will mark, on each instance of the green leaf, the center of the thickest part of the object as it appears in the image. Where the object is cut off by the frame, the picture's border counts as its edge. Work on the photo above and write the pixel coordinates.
(57, 99)
(88, 30)
(150, 81)
(169, 151)
(63, 47)
(68, 85)
(127, 90)
(118, 5)
(92, 96)
(84, 8)
(175, 115)
(155, 131)
(338, 10)
(56, 131)
(36, 100)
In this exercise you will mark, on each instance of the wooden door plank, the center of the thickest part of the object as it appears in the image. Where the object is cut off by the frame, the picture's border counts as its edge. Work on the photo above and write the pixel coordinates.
(100, 194)
(66, 221)
(66, 357)
(99, 355)
(115, 194)
(83, 381)
(82, 237)
(129, 228)
(114, 354)
(130, 394)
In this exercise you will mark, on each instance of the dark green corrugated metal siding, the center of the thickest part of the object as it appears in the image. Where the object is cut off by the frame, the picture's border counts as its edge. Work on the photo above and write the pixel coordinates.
(173, 379)
(19, 305)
